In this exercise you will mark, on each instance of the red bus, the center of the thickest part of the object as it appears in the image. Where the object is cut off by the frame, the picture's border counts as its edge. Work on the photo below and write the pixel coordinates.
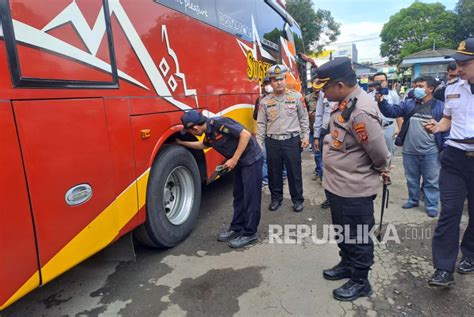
(91, 95)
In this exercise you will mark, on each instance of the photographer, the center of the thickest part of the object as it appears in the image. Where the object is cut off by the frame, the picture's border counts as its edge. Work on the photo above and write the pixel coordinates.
(392, 98)
(420, 149)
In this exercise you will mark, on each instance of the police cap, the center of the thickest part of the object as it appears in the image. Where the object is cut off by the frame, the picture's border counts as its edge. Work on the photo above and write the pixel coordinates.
(334, 71)
(465, 51)
(277, 71)
(191, 118)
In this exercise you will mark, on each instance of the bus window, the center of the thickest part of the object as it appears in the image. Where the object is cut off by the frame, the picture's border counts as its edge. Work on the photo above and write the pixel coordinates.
(297, 38)
(61, 42)
(269, 25)
(203, 10)
(236, 17)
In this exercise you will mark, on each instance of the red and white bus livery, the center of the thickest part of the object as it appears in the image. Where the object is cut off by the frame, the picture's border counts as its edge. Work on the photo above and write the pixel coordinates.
(91, 94)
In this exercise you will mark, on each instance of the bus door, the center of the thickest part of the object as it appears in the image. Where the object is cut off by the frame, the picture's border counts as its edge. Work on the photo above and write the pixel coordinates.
(69, 170)
(19, 265)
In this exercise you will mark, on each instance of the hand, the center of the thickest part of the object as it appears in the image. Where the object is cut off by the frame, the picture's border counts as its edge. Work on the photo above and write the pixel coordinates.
(179, 141)
(394, 136)
(305, 143)
(316, 145)
(378, 97)
(431, 126)
(386, 175)
(230, 163)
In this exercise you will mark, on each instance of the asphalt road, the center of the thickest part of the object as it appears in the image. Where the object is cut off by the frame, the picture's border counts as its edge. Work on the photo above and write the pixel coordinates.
(202, 277)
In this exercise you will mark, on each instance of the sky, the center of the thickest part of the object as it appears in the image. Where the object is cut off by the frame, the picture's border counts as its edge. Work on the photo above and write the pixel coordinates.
(364, 19)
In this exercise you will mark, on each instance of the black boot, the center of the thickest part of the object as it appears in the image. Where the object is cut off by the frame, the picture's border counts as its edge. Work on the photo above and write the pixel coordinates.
(274, 205)
(441, 278)
(357, 286)
(466, 265)
(341, 270)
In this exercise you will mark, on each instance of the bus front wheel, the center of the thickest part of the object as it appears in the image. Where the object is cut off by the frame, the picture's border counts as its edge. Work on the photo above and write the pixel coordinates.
(173, 198)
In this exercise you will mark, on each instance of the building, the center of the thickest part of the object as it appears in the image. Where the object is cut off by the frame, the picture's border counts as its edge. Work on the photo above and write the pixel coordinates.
(428, 63)
(346, 50)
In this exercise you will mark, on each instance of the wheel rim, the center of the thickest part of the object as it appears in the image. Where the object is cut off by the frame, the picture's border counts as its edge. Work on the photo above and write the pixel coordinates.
(178, 195)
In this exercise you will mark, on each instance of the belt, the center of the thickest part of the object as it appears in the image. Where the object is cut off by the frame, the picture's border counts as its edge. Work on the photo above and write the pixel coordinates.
(282, 137)
(469, 154)
(387, 124)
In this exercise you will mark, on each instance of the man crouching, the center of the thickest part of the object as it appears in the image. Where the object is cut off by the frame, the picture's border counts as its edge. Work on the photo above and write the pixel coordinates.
(245, 157)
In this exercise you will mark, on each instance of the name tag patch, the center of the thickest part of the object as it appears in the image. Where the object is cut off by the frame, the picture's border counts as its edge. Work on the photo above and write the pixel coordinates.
(453, 96)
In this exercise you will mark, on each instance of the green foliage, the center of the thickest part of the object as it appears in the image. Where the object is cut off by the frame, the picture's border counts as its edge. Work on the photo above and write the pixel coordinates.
(417, 28)
(318, 27)
(465, 11)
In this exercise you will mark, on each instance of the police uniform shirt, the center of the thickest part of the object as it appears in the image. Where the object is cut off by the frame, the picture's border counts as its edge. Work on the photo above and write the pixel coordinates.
(223, 135)
(282, 115)
(355, 151)
(459, 105)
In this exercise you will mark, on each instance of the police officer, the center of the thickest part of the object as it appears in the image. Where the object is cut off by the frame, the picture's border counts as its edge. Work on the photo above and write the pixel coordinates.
(283, 128)
(355, 155)
(244, 156)
(457, 172)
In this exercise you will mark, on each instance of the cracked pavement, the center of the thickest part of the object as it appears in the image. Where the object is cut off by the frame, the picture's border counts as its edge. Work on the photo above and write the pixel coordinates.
(202, 277)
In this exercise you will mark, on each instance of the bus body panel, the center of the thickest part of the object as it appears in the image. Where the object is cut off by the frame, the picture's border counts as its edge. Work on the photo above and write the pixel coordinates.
(19, 262)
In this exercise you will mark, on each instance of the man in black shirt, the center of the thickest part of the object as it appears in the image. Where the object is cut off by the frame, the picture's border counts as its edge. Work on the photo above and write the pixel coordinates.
(245, 157)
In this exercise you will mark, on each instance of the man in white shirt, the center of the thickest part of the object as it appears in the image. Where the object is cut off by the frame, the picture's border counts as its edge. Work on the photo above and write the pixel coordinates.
(457, 173)
(388, 124)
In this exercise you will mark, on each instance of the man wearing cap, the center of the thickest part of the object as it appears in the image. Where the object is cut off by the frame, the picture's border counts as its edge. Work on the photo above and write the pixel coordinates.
(283, 128)
(244, 156)
(457, 173)
(355, 157)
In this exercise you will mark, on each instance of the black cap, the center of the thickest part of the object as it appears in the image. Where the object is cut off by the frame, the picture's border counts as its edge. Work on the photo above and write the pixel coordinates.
(333, 71)
(190, 118)
(465, 51)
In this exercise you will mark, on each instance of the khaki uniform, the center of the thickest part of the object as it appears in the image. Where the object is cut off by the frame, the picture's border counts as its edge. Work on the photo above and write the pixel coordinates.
(355, 150)
(282, 124)
(282, 115)
(311, 102)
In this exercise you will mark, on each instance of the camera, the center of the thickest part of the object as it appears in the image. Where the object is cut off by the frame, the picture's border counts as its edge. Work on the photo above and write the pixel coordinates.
(378, 88)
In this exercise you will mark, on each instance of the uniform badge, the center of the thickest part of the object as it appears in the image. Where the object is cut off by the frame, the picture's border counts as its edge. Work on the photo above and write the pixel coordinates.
(342, 105)
(335, 134)
(271, 102)
(453, 96)
(341, 119)
(361, 132)
(224, 129)
(462, 46)
(273, 113)
(336, 143)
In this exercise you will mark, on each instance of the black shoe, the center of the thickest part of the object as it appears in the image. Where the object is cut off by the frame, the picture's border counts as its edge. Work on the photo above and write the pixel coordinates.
(441, 278)
(298, 207)
(340, 271)
(352, 290)
(227, 235)
(326, 204)
(466, 266)
(274, 205)
(242, 241)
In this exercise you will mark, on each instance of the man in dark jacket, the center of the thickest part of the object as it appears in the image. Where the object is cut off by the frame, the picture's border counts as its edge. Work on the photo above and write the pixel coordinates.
(420, 149)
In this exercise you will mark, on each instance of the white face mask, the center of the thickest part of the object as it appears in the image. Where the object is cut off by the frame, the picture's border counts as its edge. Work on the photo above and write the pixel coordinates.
(268, 89)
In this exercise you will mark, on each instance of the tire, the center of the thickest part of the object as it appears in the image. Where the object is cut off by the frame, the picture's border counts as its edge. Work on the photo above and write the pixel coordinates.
(173, 198)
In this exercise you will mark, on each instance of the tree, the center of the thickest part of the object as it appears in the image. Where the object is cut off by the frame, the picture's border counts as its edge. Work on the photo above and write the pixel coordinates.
(318, 27)
(465, 11)
(416, 28)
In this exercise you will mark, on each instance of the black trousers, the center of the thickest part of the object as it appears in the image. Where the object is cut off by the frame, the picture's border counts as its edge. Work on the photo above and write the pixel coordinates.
(456, 183)
(286, 152)
(349, 213)
(247, 198)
